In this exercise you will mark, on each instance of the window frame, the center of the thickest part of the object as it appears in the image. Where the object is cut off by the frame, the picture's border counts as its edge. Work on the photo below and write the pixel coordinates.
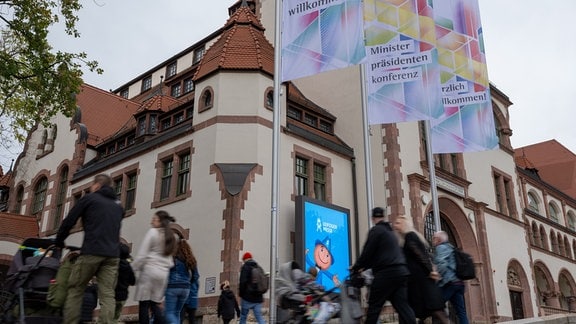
(19, 200)
(206, 99)
(198, 54)
(176, 90)
(504, 193)
(61, 197)
(306, 180)
(171, 69)
(571, 221)
(553, 209)
(533, 202)
(122, 187)
(40, 195)
(185, 88)
(146, 83)
(167, 188)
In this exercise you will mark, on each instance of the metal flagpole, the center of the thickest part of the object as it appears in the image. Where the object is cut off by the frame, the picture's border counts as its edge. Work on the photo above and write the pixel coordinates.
(432, 175)
(367, 146)
(275, 163)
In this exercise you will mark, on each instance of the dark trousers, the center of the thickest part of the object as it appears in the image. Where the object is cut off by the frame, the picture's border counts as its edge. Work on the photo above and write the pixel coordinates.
(144, 309)
(454, 293)
(189, 313)
(395, 290)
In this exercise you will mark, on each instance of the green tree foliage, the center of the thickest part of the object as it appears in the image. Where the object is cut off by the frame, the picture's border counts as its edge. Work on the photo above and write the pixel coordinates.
(37, 81)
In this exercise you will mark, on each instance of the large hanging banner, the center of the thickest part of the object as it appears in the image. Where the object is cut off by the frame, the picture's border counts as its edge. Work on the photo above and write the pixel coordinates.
(320, 35)
(467, 123)
(402, 70)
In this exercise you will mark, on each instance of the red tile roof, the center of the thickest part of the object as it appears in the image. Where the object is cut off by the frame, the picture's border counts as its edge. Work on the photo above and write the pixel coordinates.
(555, 163)
(242, 46)
(18, 226)
(161, 103)
(5, 179)
(103, 112)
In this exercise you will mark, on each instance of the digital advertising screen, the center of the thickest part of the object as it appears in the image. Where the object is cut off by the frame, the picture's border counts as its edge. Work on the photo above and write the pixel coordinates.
(323, 240)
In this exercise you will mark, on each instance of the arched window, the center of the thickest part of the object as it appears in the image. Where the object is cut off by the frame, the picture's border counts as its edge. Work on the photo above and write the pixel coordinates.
(61, 196)
(553, 211)
(19, 198)
(533, 202)
(54, 132)
(571, 221)
(542, 285)
(40, 195)
(543, 238)
(269, 99)
(553, 242)
(566, 290)
(536, 235)
(560, 244)
(206, 99)
(567, 247)
(44, 137)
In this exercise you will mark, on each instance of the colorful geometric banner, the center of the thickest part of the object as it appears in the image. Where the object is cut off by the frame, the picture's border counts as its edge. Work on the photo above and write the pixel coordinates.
(402, 70)
(467, 124)
(320, 35)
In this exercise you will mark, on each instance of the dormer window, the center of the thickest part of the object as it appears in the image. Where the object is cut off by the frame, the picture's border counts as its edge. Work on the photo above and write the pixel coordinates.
(188, 85)
(141, 125)
(198, 54)
(171, 70)
(310, 119)
(147, 83)
(147, 124)
(175, 90)
(152, 124)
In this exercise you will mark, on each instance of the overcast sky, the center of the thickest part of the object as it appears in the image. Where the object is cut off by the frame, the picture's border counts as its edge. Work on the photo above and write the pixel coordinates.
(529, 45)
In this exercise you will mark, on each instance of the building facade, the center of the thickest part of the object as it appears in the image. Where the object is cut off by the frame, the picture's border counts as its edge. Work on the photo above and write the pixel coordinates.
(193, 136)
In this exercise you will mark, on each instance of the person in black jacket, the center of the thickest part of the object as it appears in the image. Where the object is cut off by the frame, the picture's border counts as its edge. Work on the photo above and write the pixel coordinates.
(227, 303)
(101, 216)
(250, 299)
(126, 279)
(89, 302)
(383, 255)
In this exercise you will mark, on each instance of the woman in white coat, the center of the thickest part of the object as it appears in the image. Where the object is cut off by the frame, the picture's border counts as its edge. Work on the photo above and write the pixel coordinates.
(152, 265)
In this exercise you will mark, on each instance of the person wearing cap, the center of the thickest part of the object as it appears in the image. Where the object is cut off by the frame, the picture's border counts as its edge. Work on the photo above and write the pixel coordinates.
(249, 298)
(382, 254)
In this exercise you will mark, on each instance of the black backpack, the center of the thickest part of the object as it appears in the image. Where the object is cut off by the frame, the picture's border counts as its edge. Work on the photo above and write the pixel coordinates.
(465, 269)
(260, 281)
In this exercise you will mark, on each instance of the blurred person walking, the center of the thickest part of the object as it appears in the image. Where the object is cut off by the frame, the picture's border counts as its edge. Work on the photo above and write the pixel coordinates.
(152, 265)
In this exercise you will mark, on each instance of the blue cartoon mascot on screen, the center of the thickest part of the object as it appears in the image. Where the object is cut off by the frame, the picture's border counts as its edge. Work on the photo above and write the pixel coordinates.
(322, 260)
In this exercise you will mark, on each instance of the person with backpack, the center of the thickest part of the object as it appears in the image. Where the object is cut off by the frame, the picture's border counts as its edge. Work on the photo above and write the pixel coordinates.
(452, 287)
(382, 254)
(250, 297)
(424, 296)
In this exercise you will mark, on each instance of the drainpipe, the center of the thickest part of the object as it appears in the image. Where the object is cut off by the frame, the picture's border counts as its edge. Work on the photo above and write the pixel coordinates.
(355, 198)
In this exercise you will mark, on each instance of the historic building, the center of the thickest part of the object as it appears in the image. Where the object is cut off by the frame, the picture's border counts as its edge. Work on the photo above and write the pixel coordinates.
(193, 136)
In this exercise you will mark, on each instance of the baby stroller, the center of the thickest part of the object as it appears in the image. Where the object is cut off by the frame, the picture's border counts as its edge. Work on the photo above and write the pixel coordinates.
(301, 300)
(23, 296)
